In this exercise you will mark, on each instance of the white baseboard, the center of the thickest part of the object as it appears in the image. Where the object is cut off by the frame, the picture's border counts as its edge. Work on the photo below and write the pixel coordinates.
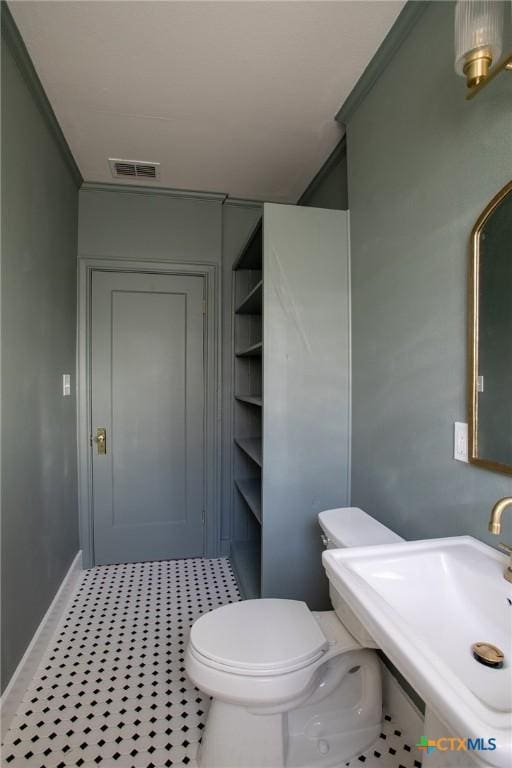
(400, 707)
(22, 677)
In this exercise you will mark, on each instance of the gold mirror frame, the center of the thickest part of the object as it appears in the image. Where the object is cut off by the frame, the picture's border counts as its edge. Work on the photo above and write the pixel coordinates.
(473, 335)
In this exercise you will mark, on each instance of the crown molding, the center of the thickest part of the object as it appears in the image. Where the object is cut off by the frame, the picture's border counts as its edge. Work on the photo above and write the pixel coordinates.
(136, 189)
(241, 202)
(14, 41)
(338, 153)
(194, 194)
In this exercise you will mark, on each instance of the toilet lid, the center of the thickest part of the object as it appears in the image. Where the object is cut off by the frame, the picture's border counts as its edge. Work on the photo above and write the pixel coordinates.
(261, 637)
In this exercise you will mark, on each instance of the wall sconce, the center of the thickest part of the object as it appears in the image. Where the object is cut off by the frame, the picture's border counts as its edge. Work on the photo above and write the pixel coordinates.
(479, 42)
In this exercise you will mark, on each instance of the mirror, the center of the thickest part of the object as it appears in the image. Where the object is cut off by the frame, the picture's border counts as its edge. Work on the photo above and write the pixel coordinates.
(490, 336)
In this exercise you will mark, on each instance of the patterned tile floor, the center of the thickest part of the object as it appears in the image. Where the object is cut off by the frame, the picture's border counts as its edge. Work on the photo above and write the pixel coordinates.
(112, 689)
(390, 751)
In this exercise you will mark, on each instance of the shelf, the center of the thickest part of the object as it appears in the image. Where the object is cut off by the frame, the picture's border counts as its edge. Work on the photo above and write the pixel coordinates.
(251, 304)
(245, 557)
(251, 492)
(255, 350)
(250, 399)
(251, 256)
(252, 447)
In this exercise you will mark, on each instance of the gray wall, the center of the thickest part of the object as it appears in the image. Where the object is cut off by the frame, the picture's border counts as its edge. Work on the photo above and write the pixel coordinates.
(237, 224)
(422, 164)
(39, 493)
(117, 223)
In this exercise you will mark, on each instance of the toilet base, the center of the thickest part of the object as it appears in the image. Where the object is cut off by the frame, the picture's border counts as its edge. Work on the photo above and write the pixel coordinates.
(340, 720)
(235, 738)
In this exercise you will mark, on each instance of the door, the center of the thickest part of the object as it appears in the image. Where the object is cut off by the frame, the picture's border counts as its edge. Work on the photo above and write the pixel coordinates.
(148, 395)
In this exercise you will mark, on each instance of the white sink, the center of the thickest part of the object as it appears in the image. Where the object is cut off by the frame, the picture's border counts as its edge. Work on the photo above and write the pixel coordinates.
(425, 603)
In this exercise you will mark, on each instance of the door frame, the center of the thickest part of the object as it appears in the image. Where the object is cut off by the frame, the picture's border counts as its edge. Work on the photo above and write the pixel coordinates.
(212, 351)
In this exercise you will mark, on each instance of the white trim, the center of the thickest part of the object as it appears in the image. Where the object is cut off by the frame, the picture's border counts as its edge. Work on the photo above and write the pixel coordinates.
(24, 672)
(400, 707)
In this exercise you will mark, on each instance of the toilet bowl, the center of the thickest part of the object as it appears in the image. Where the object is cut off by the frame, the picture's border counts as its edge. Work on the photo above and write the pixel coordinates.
(289, 687)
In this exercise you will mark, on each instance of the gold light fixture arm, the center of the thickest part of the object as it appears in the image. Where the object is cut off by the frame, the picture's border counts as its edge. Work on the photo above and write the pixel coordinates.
(477, 66)
(477, 80)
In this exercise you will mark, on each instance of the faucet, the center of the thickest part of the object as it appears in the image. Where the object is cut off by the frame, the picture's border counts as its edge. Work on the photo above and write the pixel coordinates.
(495, 527)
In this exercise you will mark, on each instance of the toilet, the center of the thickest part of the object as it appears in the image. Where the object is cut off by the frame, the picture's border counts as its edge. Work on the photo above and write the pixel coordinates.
(290, 686)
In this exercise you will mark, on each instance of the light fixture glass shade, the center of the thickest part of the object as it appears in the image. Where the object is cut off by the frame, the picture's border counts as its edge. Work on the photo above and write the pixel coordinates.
(478, 37)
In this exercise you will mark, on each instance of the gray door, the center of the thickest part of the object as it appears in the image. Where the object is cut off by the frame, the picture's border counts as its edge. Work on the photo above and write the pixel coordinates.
(148, 393)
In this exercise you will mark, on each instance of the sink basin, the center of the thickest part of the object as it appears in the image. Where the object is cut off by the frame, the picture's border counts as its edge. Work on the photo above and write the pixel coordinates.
(425, 603)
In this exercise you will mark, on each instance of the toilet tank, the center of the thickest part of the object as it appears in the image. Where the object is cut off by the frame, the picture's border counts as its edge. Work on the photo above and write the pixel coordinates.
(351, 527)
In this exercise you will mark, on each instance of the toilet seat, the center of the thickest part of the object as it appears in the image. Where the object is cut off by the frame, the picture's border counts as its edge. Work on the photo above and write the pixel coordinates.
(258, 638)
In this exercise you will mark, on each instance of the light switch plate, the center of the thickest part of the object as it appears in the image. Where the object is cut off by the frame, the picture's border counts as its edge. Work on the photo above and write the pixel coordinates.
(66, 384)
(460, 441)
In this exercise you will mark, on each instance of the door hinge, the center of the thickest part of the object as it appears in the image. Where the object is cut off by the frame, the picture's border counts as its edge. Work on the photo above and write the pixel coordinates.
(203, 517)
(204, 307)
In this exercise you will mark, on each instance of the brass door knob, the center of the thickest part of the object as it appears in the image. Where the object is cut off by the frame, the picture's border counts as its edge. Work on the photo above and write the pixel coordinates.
(101, 440)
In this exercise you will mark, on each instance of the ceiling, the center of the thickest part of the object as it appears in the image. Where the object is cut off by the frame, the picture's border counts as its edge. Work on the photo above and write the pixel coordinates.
(234, 97)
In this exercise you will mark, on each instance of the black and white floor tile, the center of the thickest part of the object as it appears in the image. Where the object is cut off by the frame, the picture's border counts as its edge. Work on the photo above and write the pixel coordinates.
(111, 691)
(391, 750)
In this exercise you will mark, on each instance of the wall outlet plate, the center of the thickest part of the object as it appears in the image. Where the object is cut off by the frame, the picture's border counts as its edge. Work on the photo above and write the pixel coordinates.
(460, 441)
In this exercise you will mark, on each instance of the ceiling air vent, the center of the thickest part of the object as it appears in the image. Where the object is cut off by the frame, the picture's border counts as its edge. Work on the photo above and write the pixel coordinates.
(134, 169)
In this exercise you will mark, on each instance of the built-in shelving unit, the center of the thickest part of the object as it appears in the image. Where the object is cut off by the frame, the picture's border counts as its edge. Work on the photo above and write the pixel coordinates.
(258, 401)
(245, 556)
(248, 412)
(291, 408)
(252, 447)
(250, 491)
(253, 350)
(251, 304)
